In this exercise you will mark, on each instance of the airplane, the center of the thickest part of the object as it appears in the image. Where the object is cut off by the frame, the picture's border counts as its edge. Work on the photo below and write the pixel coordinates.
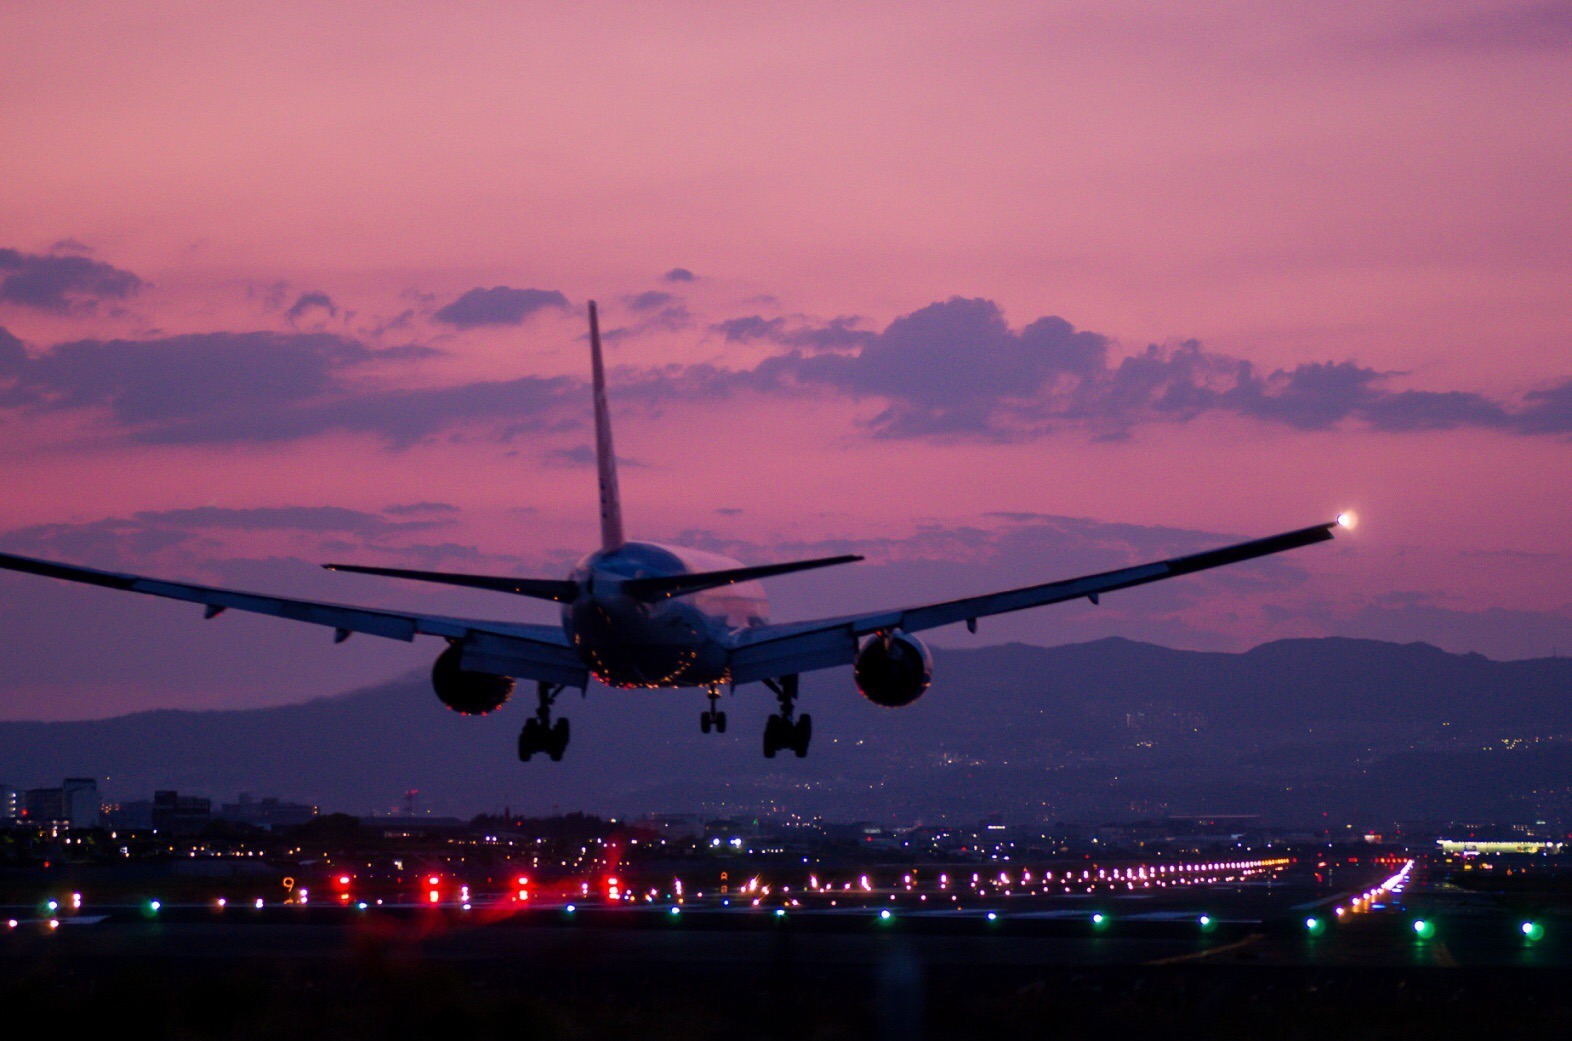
(640, 614)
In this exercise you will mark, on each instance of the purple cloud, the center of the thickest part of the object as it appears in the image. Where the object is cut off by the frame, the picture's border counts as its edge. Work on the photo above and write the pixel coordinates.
(499, 305)
(62, 284)
(307, 301)
(679, 274)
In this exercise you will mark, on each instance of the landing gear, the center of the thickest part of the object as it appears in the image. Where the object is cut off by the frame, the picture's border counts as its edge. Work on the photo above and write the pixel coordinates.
(786, 730)
(539, 733)
(713, 718)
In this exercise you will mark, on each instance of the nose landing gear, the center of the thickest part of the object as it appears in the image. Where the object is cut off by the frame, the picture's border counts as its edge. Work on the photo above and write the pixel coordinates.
(539, 733)
(712, 718)
(787, 730)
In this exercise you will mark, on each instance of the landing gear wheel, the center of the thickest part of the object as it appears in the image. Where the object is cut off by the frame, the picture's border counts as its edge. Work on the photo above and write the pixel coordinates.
(529, 740)
(801, 734)
(720, 722)
(558, 742)
(772, 737)
(704, 722)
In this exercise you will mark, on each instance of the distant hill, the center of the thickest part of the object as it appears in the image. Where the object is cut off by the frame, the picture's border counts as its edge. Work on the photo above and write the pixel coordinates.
(1291, 729)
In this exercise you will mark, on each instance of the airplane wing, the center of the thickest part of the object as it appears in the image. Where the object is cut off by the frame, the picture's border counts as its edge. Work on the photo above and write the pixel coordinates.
(769, 651)
(537, 652)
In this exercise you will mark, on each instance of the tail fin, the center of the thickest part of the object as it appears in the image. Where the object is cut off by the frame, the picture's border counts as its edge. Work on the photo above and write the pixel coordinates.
(605, 455)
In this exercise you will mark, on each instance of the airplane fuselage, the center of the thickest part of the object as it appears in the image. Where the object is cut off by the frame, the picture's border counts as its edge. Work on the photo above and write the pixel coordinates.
(669, 642)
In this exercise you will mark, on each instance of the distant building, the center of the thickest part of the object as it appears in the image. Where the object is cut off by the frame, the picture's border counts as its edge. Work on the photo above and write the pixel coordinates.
(10, 803)
(268, 813)
(73, 805)
(179, 814)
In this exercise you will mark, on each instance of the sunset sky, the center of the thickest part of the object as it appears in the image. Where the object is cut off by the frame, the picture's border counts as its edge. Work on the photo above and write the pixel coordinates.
(992, 294)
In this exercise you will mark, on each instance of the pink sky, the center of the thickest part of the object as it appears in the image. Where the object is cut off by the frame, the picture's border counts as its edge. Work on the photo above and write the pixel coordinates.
(1377, 189)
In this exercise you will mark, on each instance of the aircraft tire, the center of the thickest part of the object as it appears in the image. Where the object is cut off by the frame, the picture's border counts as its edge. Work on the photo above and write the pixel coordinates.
(772, 736)
(557, 740)
(801, 734)
(704, 722)
(529, 740)
(720, 722)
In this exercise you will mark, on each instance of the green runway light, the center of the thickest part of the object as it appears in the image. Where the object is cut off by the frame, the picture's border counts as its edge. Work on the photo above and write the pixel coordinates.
(993, 916)
(1533, 930)
(1314, 925)
(154, 905)
(1098, 919)
(570, 908)
(676, 911)
(780, 912)
(1423, 929)
(1206, 923)
(53, 905)
(884, 915)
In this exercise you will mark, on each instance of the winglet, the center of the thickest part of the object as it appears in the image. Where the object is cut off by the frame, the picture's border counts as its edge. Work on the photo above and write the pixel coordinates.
(605, 455)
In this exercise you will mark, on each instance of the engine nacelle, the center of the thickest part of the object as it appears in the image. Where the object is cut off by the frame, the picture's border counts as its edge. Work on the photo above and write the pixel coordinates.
(471, 693)
(893, 669)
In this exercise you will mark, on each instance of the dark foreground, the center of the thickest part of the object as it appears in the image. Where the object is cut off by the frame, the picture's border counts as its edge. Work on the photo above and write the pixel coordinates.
(630, 976)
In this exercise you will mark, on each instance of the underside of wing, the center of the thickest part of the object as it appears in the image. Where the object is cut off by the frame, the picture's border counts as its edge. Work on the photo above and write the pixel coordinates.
(506, 648)
(775, 650)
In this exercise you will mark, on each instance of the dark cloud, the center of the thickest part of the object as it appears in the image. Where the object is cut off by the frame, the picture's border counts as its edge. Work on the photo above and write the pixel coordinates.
(956, 369)
(1534, 26)
(407, 509)
(836, 334)
(13, 356)
(319, 519)
(62, 284)
(499, 305)
(649, 301)
(70, 245)
(680, 274)
(261, 387)
(307, 301)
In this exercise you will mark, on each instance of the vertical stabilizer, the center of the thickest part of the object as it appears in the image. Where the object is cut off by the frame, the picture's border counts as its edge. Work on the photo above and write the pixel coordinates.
(605, 455)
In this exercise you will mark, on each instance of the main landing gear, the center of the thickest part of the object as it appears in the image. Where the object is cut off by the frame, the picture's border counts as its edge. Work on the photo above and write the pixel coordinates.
(713, 718)
(784, 730)
(539, 733)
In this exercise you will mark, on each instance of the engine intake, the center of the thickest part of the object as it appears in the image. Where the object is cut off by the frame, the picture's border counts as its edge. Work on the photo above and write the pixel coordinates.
(469, 693)
(893, 669)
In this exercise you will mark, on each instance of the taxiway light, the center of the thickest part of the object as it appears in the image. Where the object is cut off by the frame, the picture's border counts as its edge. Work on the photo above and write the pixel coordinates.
(1533, 930)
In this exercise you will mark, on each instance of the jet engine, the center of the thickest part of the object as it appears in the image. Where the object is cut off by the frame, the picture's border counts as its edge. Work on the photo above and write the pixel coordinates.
(893, 669)
(470, 693)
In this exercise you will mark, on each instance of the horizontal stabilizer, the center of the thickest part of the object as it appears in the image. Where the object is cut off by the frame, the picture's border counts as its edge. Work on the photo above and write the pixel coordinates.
(559, 590)
(661, 587)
